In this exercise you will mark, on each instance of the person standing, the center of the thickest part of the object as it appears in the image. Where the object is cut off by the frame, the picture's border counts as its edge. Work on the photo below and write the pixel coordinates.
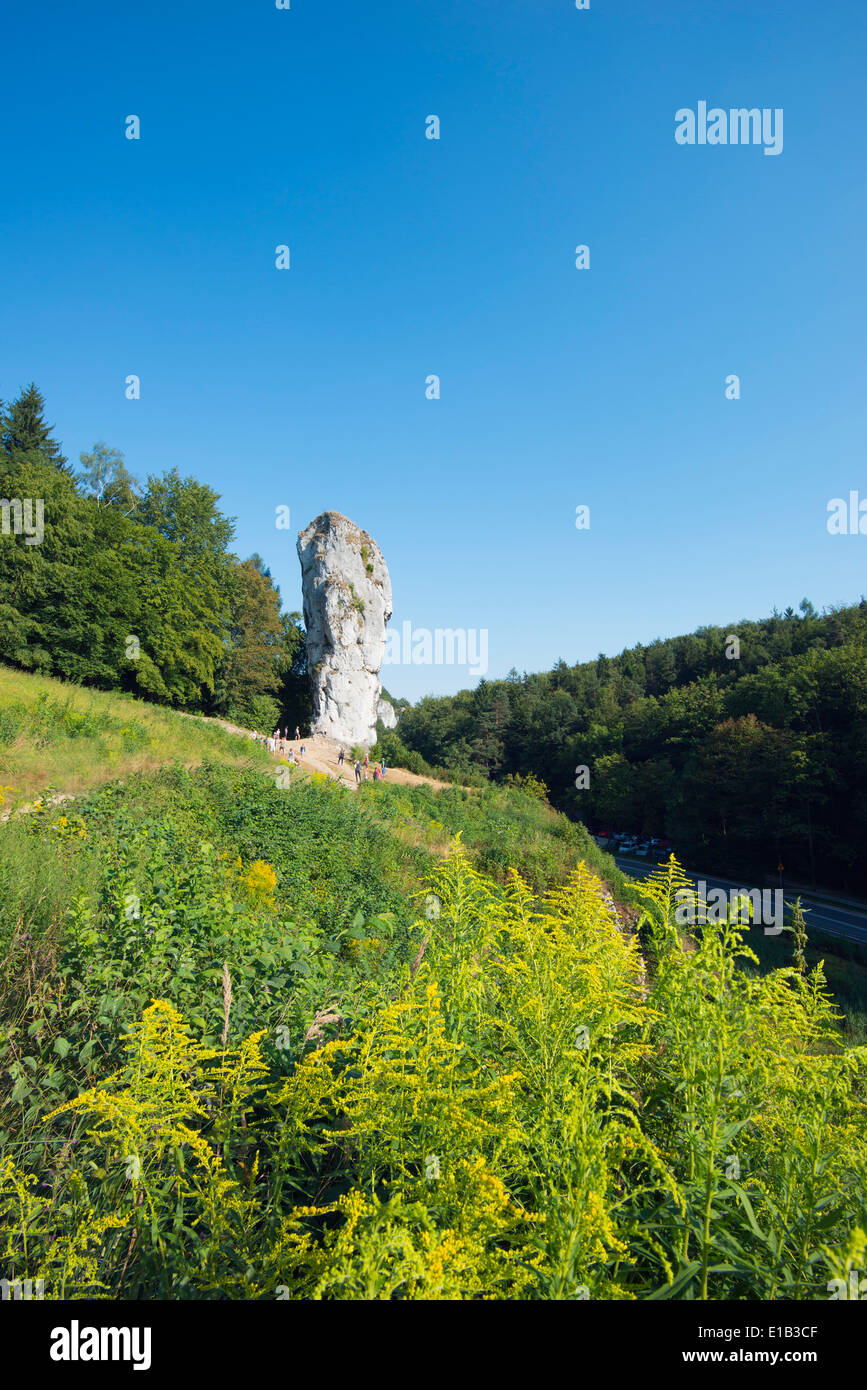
(297, 732)
(357, 773)
(340, 757)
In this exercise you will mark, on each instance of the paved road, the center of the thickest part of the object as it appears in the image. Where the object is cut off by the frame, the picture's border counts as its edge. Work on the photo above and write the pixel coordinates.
(830, 919)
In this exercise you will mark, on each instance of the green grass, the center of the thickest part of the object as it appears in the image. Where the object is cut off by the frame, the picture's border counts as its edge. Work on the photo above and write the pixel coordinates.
(132, 892)
(502, 828)
(166, 882)
(70, 739)
(844, 964)
(526, 1113)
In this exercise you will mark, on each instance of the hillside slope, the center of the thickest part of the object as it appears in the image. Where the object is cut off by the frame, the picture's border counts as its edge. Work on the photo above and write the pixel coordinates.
(71, 739)
(389, 1042)
(321, 755)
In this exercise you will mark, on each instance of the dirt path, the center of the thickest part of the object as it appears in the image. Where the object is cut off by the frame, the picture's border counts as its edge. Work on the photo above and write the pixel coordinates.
(320, 755)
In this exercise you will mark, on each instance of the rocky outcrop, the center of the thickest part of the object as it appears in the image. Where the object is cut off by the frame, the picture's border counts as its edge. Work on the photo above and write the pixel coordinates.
(347, 603)
(386, 712)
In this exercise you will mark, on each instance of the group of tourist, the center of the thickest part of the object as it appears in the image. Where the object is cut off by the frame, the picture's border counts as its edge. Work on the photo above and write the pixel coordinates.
(361, 767)
(279, 744)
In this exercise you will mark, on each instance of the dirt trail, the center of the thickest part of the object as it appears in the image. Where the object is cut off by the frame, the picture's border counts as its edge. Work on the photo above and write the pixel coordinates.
(320, 755)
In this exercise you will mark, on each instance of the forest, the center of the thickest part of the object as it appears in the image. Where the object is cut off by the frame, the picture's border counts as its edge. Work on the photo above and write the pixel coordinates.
(134, 586)
(743, 746)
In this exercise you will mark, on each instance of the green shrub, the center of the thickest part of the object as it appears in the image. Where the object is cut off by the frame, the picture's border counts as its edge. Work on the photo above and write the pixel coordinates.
(522, 1113)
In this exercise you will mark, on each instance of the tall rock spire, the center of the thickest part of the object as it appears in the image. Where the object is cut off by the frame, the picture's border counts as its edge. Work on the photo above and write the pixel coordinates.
(347, 603)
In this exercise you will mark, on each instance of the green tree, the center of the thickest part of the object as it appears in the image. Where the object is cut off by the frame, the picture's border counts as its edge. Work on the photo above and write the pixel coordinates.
(25, 429)
(256, 639)
(104, 476)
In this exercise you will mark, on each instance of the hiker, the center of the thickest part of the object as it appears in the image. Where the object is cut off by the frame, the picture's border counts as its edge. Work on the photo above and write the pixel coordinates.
(382, 768)
(357, 773)
(366, 760)
(340, 757)
(302, 750)
(297, 732)
(376, 774)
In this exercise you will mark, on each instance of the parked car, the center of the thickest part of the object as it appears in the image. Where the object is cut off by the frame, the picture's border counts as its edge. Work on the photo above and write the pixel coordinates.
(642, 848)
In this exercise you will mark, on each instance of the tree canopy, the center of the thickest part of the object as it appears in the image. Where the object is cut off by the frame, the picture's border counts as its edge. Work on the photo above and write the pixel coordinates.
(740, 760)
(136, 589)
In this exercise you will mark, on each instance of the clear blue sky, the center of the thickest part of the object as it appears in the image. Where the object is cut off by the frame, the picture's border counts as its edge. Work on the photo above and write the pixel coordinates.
(409, 257)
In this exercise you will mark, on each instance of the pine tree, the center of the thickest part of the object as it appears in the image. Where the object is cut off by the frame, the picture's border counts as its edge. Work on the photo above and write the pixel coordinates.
(24, 428)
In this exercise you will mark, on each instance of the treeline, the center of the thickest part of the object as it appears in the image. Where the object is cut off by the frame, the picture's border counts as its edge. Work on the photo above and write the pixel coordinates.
(743, 754)
(132, 587)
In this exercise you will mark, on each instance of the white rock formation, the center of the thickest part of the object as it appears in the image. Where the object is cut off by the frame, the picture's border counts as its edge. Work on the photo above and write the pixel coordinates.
(386, 712)
(347, 603)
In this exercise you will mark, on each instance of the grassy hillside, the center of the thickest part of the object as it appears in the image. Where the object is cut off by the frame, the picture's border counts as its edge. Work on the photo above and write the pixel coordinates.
(70, 738)
(317, 1043)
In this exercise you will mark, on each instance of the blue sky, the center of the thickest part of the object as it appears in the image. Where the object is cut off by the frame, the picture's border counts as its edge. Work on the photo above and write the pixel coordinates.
(409, 257)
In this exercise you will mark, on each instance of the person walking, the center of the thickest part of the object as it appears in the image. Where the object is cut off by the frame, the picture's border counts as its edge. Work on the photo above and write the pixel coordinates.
(382, 768)
(340, 757)
(357, 773)
(302, 750)
(297, 732)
